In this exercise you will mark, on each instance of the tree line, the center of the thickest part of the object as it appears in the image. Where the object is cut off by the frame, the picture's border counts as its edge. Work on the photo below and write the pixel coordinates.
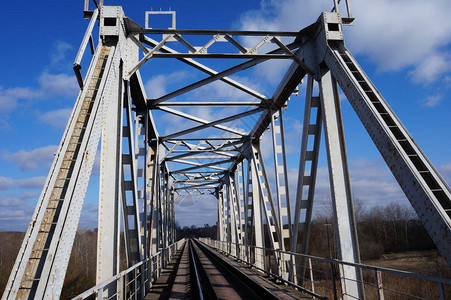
(381, 230)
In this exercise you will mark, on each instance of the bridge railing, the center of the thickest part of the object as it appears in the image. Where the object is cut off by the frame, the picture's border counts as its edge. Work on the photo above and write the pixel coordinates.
(320, 277)
(134, 282)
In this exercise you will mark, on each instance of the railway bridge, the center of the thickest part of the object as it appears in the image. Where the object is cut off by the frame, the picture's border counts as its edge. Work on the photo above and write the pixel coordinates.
(157, 150)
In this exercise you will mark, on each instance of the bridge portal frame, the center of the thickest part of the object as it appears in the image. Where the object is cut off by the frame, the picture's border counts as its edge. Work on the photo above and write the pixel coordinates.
(138, 187)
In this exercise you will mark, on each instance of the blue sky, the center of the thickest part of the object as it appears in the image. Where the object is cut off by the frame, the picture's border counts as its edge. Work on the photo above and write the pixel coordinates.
(404, 46)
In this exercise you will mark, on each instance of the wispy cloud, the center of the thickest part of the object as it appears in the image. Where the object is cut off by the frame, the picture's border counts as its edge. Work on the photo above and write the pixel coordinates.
(50, 85)
(7, 183)
(9, 97)
(58, 85)
(31, 159)
(157, 86)
(445, 170)
(196, 210)
(58, 53)
(56, 118)
(51, 82)
(15, 211)
(432, 101)
(414, 39)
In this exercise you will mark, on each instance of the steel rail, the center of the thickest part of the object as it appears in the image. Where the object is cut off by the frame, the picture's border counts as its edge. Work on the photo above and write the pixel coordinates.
(244, 281)
(195, 272)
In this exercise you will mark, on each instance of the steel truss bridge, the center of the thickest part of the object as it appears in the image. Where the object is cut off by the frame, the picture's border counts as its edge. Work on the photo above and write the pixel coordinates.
(143, 171)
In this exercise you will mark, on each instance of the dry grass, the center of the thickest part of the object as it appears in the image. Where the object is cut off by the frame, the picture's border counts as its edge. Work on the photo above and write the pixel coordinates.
(81, 271)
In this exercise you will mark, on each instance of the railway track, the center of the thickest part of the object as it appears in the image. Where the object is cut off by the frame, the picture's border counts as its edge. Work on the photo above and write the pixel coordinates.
(202, 273)
(212, 277)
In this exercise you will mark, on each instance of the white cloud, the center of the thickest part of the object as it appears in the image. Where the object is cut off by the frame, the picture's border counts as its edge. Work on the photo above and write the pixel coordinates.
(59, 52)
(445, 171)
(432, 101)
(9, 97)
(58, 84)
(49, 85)
(157, 85)
(31, 183)
(32, 159)
(396, 40)
(28, 195)
(7, 183)
(431, 68)
(56, 118)
(196, 210)
(395, 34)
(10, 202)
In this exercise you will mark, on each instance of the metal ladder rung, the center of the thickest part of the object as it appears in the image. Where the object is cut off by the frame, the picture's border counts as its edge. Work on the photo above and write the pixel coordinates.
(39, 250)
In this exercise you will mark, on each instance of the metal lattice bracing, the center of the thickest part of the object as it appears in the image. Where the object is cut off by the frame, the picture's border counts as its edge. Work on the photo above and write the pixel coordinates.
(148, 163)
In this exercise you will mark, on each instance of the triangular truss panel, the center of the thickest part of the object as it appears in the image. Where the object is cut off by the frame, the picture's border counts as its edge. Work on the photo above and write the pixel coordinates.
(148, 160)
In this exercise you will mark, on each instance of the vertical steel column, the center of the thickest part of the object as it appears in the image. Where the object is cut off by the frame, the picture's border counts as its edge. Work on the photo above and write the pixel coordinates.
(170, 191)
(161, 212)
(140, 124)
(154, 198)
(280, 169)
(248, 209)
(266, 199)
(235, 213)
(219, 228)
(171, 224)
(308, 165)
(131, 207)
(228, 218)
(108, 234)
(224, 214)
(231, 213)
(345, 227)
(239, 182)
(258, 229)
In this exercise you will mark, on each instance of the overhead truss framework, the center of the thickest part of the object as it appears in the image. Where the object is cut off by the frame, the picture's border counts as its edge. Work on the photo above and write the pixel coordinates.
(186, 143)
